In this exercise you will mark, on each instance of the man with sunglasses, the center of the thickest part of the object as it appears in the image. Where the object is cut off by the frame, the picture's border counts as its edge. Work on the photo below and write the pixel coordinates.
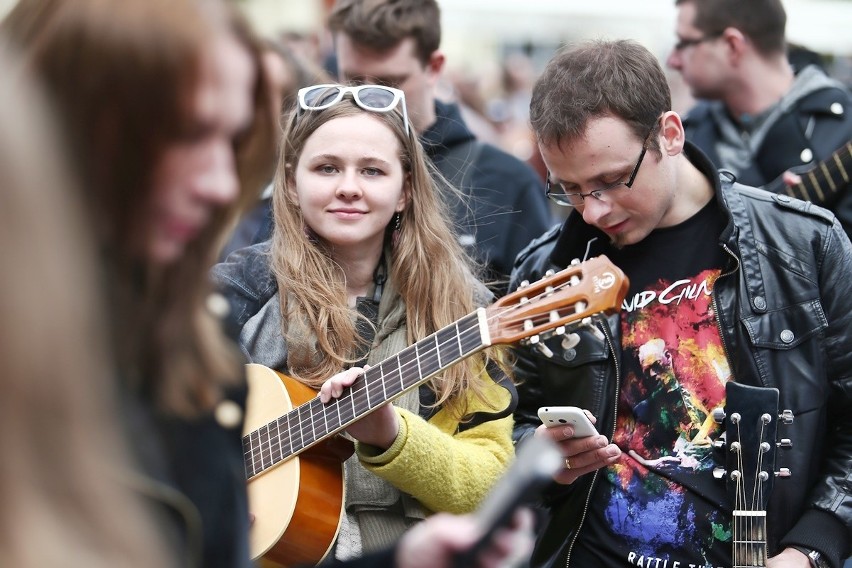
(758, 119)
(396, 43)
(728, 283)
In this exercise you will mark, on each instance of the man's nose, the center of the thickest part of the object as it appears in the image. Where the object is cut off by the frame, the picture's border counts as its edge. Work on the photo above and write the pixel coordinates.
(594, 210)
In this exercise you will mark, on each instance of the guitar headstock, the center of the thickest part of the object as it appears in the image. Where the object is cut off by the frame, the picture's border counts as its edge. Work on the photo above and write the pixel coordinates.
(750, 440)
(558, 300)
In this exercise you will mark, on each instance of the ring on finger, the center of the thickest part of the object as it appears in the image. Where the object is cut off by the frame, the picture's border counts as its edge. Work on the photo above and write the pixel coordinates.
(567, 464)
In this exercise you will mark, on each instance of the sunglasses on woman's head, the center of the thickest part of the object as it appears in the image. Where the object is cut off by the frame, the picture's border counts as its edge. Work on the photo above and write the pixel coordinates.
(375, 98)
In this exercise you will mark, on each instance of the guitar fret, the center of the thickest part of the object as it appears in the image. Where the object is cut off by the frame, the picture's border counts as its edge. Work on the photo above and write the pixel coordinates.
(827, 173)
(313, 429)
(276, 453)
(816, 186)
(264, 446)
(406, 358)
(367, 382)
(438, 351)
(840, 164)
(247, 441)
(417, 358)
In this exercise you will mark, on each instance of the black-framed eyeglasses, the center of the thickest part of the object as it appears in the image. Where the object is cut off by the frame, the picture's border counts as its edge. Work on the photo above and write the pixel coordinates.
(684, 43)
(375, 98)
(557, 193)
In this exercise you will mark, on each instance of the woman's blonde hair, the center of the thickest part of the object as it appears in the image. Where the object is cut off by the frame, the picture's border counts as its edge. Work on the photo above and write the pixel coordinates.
(430, 271)
(122, 78)
(64, 476)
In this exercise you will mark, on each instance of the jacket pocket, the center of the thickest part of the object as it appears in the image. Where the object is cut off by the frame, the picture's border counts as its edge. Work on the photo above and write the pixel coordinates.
(788, 327)
(570, 353)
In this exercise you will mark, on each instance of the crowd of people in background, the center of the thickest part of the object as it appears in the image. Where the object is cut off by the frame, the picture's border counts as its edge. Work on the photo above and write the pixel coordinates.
(181, 197)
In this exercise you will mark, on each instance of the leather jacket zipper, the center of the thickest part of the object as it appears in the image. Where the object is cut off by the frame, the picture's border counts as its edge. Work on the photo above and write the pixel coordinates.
(716, 304)
(604, 327)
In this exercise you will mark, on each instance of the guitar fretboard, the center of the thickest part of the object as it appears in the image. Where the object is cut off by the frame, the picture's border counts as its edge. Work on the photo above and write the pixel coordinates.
(749, 539)
(820, 184)
(314, 421)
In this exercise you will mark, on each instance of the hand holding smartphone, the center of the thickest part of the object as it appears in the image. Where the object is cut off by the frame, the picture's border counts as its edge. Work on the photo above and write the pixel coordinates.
(573, 416)
(536, 461)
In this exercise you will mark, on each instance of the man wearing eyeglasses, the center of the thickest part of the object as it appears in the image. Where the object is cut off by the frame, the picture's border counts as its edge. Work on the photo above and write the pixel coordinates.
(397, 43)
(729, 285)
(758, 119)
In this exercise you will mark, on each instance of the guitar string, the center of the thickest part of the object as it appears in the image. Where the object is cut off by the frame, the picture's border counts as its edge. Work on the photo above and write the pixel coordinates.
(260, 450)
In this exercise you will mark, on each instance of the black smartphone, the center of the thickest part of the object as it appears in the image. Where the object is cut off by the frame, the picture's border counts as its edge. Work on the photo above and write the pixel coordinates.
(536, 461)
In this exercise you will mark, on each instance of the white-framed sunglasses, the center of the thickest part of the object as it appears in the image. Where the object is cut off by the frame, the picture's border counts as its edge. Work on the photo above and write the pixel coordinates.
(375, 98)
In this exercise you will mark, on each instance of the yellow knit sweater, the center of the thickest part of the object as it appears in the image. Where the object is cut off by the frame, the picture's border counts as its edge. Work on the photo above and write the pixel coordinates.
(444, 469)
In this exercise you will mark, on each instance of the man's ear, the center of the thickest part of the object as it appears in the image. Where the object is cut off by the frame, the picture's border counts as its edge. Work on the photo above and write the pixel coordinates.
(737, 43)
(673, 135)
(435, 64)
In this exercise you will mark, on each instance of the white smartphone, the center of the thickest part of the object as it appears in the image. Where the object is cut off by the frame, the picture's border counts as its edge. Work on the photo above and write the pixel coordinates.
(572, 416)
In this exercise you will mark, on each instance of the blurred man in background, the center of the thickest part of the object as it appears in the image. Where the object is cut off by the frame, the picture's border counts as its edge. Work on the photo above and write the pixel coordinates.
(396, 43)
(759, 119)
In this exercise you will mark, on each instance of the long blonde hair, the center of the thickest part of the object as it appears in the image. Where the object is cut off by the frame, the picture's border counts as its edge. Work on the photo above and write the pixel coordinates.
(121, 77)
(62, 478)
(430, 271)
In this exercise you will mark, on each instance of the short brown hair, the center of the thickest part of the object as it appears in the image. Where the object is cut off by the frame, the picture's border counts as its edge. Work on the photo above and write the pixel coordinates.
(595, 79)
(762, 21)
(381, 24)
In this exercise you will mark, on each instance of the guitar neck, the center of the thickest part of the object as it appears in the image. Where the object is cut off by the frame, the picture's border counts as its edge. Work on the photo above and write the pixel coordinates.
(749, 537)
(312, 422)
(821, 183)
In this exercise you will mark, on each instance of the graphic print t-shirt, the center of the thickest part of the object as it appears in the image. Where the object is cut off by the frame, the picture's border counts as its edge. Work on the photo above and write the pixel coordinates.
(659, 506)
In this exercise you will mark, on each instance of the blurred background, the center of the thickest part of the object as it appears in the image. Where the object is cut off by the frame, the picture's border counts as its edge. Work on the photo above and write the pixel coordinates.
(496, 48)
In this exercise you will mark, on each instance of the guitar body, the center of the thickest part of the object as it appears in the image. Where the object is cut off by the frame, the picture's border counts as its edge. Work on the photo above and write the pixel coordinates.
(297, 505)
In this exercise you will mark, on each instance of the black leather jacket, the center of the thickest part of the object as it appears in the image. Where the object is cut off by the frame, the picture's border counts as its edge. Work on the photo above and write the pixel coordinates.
(809, 131)
(789, 270)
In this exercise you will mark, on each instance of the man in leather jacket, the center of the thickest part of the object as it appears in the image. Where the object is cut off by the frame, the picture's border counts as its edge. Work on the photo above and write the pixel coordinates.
(758, 117)
(728, 283)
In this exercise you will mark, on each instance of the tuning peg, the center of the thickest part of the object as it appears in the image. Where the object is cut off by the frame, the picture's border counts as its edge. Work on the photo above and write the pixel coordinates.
(719, 473)
(580, 307)
(523, 284)
(587, 322)
(575, 262)
(785, 443)
(549, 272)
(545, 350)
(570, 341)
(786, 417)
(533, 340)
(783, 472)
(718, 415)
(721, 441)
(574, 280)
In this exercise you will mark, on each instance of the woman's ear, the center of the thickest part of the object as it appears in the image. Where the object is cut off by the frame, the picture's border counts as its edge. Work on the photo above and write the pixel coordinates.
(290, 184)
(673, 135)
(405, 196)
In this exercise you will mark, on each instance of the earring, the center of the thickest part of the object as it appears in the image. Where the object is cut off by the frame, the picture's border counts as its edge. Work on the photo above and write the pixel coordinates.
(396, 221)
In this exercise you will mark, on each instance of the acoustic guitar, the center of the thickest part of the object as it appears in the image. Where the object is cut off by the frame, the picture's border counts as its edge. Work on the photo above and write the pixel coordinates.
(296, 487)
(750, 440)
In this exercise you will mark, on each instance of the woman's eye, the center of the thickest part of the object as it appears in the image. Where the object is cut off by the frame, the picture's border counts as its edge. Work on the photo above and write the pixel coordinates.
(372, 171)
(327, 169)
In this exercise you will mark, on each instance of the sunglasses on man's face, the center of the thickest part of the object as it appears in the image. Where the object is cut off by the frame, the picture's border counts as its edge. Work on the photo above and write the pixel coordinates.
(375, 98)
